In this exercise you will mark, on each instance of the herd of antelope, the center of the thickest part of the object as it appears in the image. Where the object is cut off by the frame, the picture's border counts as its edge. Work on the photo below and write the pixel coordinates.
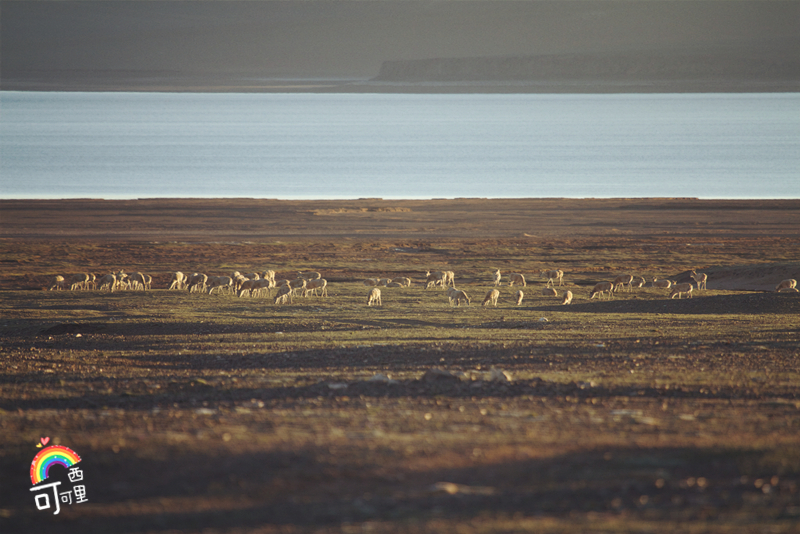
(310, 283)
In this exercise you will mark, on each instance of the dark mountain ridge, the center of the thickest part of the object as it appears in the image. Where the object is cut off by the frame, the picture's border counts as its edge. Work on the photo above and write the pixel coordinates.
(249, 45)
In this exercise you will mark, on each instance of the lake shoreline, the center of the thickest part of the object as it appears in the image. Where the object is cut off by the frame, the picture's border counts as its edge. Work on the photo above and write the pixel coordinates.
(367, 86)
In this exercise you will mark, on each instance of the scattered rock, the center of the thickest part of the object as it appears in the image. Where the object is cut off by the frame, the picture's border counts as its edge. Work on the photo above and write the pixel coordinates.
(498, 375)
(201, 382)
(72, 328)
(435, 375)
(382, 378)
(451, 488)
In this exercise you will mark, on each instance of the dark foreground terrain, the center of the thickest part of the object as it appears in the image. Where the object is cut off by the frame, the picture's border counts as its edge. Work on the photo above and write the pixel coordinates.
(213, 413)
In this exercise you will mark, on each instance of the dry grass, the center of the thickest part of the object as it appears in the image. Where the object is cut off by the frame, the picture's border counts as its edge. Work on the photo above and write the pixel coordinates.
(215, 413)
(198, 413)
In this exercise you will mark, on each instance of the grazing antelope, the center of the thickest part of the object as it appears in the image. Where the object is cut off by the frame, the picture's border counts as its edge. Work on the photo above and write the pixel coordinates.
(789, 284)
(284, 295)
(681, 289)
(623, 280)
(600, 288)
(663, 284)
(491, 297)
(516, 278)
(177, 281)
(458, 296)
(57, 282)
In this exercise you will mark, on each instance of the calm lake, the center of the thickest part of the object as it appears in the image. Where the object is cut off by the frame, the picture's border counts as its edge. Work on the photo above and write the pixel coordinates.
(329, 146)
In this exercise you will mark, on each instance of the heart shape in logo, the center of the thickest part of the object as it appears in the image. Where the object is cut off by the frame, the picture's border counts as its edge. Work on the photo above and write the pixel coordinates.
(44, 441)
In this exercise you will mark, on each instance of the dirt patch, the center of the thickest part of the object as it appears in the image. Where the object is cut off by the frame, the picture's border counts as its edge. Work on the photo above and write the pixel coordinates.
(254, 220)
(762, 277)
(700, 304)
(72, 329)
(337, 211)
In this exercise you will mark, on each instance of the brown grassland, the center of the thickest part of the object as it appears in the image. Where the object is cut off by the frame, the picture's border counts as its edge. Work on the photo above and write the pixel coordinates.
(218, 414)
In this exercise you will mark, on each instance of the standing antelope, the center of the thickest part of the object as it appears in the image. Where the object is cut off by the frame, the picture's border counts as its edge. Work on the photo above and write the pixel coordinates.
(552, 276)
(432, 279)
(374, 297)
(700, 278)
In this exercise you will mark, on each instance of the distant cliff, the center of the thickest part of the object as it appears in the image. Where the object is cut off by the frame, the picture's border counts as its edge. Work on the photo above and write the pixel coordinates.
(241, 45)
(634, 67)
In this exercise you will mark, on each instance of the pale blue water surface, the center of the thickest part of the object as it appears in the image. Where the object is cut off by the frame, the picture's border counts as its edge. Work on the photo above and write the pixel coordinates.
(303, 146)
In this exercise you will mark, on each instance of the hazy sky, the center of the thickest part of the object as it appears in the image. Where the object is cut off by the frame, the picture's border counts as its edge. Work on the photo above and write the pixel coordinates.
(352, 38)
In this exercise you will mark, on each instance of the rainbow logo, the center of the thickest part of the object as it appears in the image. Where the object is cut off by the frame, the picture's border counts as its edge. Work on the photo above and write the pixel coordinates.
(50, 456)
